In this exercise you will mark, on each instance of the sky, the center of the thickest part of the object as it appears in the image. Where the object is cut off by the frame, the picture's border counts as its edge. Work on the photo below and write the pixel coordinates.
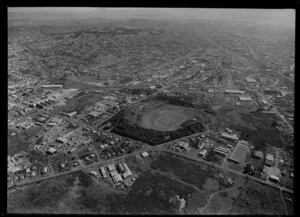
(271, 16)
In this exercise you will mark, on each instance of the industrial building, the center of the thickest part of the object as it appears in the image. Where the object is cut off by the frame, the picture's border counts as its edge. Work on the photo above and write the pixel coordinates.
(245, 98)
(117, 178)
(103, 173)
(52, 86)
(233, 137)
(239, 152)
(274, 178)
(120, 168)
(127, 171)
(222, 151)
(111, 167)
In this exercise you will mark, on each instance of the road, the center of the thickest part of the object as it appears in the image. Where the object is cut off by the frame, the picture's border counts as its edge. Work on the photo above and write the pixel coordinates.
(162, 148)
(284, 204)
(78, 168)
(276, 111)
(228, 169)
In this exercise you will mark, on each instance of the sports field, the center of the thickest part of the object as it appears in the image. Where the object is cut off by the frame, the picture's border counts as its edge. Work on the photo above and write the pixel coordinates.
(165, 118)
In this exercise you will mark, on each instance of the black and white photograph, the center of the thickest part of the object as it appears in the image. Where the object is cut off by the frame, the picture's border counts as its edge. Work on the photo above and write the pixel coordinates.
(150, 110)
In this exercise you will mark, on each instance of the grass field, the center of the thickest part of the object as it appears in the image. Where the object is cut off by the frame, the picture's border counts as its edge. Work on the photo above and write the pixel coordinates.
(187, 170)
(165, 118)
(21, 141)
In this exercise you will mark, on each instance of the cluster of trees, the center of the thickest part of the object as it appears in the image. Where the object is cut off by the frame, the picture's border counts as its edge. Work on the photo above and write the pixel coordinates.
(185, 101)
(139, 91)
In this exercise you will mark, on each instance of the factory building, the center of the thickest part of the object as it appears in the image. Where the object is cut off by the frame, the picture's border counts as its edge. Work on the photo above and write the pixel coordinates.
(239, 152)
(117, 178)
(245, 98)
(127, 171)
(111, 167)
(233, 137)
(52, 86)
(274, 178)
(103, 173)
(120, 168)
(221, 151)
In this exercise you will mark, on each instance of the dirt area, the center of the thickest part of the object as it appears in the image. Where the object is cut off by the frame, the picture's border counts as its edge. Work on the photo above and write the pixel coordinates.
(211, 185)
(219, 205)
(152, 194)
(256, 198)
(198, 199)
(73, 193)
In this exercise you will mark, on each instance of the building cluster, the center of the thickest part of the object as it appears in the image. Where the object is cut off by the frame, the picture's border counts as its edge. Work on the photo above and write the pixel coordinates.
(111, 146)
(21, 169)
(118, 174)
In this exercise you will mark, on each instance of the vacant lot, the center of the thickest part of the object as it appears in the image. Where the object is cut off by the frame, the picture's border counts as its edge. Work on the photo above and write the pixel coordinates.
(73, 193)
(21, 141)
(256, 127)
(187, 170)
(256, 198)
(152, 194)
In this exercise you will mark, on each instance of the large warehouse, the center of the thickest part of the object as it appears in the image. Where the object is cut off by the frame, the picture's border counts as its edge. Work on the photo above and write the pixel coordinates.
(239, 152)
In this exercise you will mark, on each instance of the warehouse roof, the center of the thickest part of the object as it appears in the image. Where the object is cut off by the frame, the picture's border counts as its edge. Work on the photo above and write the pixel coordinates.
(245, 98)
(234, 91)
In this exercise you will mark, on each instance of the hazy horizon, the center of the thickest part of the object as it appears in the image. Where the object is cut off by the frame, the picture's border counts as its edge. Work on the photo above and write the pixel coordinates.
(263, 16)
